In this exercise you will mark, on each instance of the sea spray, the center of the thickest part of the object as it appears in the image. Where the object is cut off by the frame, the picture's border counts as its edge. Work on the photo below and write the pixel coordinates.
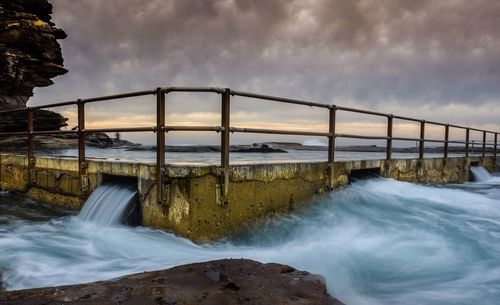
(377, 241)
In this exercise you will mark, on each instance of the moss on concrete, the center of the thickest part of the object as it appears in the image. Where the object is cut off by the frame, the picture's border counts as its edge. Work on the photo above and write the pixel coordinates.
(55, 199)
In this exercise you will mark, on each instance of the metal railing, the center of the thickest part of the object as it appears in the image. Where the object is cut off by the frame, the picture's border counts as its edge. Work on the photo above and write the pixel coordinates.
(225, 129)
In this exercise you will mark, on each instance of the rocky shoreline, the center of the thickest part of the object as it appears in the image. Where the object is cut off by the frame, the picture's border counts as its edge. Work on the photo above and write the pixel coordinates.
(62, 141)
(228, 281)
(102, 140)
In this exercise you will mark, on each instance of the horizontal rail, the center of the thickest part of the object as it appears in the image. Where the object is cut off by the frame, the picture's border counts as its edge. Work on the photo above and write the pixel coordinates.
(433, 141)
(458, 142)
(61, 104)
(40, 132)
(279, 99)
(362, 111)
(50, 132)
(284, 132)
(406, 139)
(123, 129)
(118, 96)
(193, 128)
(192, 89)
(436, 123)
(355, 136)
(13, 133)
(14, 110)
(399, 117)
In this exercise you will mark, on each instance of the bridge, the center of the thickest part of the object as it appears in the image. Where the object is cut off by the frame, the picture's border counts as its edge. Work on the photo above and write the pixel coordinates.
(207, 202)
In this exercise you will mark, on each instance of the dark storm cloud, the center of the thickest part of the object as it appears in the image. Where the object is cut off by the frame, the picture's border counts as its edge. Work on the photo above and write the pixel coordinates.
(367, 51)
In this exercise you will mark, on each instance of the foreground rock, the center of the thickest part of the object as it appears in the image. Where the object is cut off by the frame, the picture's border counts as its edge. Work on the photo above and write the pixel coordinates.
(210, 283)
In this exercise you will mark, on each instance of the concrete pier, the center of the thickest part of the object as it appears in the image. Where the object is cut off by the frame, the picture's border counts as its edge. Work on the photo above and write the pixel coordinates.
(192, 205)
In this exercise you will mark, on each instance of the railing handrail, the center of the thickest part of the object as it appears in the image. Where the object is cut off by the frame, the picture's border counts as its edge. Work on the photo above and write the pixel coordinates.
(225, 129)
(237, 93)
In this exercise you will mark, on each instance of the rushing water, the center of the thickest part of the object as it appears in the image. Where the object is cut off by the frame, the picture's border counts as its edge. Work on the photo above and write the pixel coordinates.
(376, 241)
(108, 204)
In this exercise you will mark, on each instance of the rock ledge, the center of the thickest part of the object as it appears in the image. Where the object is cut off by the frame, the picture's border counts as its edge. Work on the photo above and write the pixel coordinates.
(227, 281)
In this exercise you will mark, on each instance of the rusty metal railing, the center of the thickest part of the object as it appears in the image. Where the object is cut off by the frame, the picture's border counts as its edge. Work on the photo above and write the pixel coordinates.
(225, 129)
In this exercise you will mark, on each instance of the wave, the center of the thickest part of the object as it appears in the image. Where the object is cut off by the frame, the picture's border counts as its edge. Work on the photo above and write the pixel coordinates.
(376, 241)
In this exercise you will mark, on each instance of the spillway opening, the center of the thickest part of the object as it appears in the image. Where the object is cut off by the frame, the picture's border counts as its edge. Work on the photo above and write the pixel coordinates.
(115, 201)
(363, 174)
(480, 174)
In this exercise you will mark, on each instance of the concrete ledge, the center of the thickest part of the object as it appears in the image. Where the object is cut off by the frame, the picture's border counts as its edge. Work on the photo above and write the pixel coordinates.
(192, 208)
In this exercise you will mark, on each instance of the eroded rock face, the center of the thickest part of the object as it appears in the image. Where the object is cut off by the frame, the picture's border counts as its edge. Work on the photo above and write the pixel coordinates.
(30, 57)
(43, 120)
(211, 283)
(29, 52)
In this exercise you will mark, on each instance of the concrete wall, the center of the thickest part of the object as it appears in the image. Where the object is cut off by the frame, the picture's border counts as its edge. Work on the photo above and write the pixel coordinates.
(192, 207)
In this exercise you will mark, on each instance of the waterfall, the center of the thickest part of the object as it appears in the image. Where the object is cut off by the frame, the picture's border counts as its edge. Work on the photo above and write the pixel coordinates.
(109, 204)
(480, 174)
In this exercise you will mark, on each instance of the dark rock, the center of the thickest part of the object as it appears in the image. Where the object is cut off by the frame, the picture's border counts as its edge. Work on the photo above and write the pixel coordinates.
(43, 120)
(212, 148)
(30, 57)
(62, 141)
(29, 52)
(216, 282)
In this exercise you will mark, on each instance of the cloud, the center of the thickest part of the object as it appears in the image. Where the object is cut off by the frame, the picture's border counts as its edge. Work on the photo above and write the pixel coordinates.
(420, 56)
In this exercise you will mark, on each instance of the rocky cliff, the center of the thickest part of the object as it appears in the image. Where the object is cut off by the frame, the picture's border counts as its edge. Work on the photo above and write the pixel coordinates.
(30, 57)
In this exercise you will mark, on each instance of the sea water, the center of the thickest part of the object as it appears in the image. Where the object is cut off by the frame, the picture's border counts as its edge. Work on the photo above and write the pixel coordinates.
(377, 241)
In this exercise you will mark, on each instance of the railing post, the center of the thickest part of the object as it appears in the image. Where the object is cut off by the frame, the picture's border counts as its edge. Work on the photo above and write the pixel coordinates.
(82, 163)
(160, 144)
(389, 137)
(422, 141)
(31, 159)
(224, 142)
(495, 151)
(446, 139)
(483, 152)
(331, 146)
(467, 139)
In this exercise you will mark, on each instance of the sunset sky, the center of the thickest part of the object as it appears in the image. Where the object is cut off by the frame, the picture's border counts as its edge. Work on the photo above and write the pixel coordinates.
(437, 60)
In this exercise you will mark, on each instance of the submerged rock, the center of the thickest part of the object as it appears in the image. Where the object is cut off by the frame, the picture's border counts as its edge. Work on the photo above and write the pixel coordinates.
(211, 283)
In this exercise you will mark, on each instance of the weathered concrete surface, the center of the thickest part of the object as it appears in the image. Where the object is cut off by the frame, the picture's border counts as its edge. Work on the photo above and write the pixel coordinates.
(210, 283)
(192, 207)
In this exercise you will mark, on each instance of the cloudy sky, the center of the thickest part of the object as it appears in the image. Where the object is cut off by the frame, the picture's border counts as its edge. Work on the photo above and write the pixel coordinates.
(438, 60)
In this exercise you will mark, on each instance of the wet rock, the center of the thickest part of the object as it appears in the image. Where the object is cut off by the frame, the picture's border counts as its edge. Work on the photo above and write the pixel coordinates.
(217, 282)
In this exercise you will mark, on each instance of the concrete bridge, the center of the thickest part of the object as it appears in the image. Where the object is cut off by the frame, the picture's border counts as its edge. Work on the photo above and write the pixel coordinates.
(209, 202)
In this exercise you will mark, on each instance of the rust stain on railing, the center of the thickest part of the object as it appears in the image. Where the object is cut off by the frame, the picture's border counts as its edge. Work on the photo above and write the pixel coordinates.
(225, 129)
